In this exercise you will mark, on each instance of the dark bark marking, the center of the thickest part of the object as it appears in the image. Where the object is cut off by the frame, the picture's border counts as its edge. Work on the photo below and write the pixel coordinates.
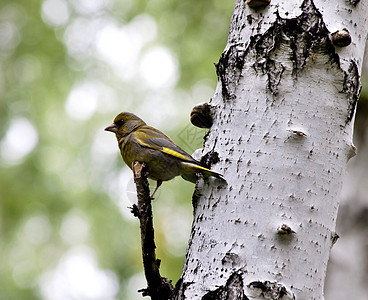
(210, 158)
(334, 238)
(196, 196)
(180, 288)
(353, 2)
(270, 290)
(352, 88)
(232, 290)
(305, 36)
(229, 69)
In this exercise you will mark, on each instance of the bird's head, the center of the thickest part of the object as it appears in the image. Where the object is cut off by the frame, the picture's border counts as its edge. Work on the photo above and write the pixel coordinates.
(124, 124)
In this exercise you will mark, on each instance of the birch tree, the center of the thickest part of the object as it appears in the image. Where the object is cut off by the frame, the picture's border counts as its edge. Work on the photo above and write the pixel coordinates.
(282, 114)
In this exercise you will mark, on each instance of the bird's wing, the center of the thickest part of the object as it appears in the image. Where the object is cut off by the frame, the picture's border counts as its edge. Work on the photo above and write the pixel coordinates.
(152, 138)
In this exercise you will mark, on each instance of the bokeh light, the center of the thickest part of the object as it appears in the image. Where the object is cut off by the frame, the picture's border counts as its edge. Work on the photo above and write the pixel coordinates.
(20, 139)
(9, 36)
(75, 227)
(55, 12)
(78, 277)
(82, 101)
(159, 68)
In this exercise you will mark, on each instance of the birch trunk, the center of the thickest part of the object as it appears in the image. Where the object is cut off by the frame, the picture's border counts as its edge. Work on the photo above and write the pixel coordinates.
(283, 115)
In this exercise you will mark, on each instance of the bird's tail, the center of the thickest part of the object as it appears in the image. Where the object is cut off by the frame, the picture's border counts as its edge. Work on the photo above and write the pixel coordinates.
(190, 169)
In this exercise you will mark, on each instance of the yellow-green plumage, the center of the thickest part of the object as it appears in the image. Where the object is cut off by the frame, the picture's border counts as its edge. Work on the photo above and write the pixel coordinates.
(164, 159)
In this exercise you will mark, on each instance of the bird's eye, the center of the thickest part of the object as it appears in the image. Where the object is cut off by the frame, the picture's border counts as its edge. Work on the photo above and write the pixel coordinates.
(119, 123)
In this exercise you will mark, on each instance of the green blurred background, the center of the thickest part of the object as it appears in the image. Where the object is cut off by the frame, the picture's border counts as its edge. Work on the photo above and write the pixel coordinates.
(67, 67)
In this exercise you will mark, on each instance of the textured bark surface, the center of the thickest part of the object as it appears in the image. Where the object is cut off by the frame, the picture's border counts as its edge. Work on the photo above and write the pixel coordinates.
(349, 257)
(158, 287)
(282, 135)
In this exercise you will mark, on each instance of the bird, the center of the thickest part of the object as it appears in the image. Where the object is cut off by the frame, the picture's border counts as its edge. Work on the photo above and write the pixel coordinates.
(164, 159)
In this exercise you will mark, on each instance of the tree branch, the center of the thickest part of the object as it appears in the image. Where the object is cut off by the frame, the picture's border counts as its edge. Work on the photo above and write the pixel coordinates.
(159, 288)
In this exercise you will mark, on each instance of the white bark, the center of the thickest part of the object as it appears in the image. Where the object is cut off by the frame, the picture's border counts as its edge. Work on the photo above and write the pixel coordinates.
(282, 135)
(349, 256)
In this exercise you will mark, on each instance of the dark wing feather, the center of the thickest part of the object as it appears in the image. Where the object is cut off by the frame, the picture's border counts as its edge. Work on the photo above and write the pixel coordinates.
(150, 137)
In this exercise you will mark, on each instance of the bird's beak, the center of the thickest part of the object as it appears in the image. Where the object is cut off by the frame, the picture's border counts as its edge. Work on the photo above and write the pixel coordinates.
(112, 128)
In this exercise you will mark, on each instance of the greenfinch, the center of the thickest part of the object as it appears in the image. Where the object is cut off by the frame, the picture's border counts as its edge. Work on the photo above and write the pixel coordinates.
(164, 159)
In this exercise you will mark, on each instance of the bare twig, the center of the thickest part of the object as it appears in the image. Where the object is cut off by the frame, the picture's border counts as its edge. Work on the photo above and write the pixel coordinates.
(159, 288)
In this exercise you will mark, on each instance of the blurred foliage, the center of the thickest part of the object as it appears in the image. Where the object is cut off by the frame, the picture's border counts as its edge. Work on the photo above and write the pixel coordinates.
(63, 201)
